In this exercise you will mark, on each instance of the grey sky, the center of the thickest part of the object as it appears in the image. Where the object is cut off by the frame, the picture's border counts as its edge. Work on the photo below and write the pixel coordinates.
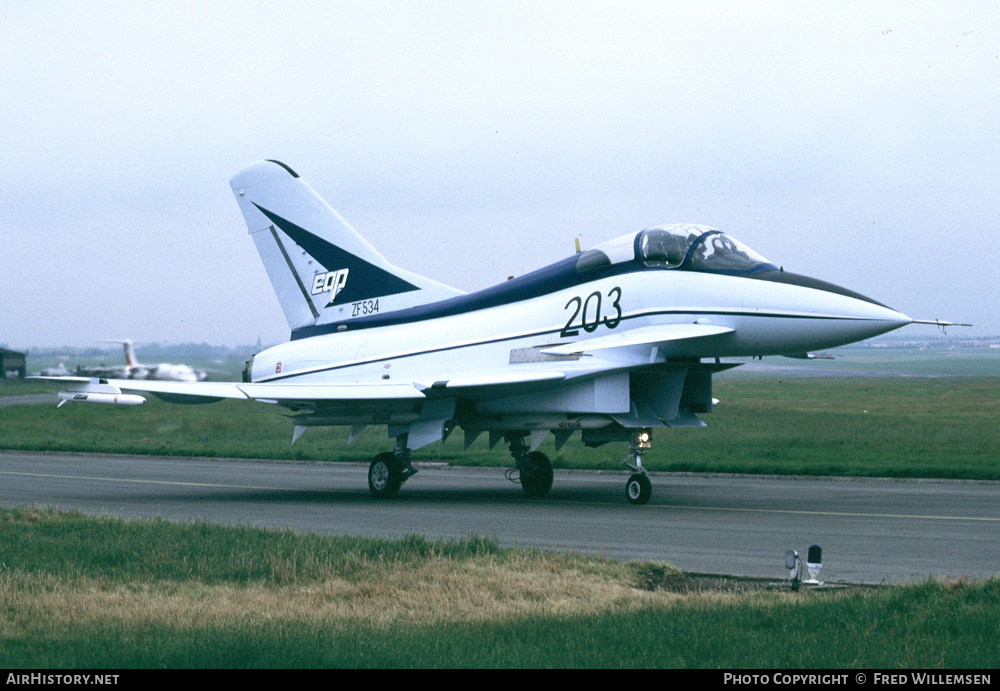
(468, 141)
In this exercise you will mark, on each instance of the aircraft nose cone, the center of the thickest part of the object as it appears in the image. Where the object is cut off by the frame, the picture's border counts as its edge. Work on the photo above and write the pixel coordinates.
(870, 317)
(891, 319)
(818, 314)
(860, 319)
(881, 317)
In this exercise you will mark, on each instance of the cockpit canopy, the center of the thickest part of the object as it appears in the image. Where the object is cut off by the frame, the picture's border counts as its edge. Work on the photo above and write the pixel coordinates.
(679, 246)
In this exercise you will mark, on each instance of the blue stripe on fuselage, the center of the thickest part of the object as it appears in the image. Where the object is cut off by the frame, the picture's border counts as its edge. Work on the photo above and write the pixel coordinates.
(562, 274)
(550, 279)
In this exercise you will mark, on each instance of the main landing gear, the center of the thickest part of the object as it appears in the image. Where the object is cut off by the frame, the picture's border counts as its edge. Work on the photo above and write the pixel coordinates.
(534, 470)
(388, 471)
(638, 489)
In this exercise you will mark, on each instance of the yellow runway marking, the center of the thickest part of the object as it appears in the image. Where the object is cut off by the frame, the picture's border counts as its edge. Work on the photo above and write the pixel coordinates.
(790, 512)
(844, 514)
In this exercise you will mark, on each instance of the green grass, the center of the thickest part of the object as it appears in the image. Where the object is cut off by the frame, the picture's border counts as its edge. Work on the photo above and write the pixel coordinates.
(936, 361)
(80, 591)
(102, 549)
(863, 427)
(893, 427)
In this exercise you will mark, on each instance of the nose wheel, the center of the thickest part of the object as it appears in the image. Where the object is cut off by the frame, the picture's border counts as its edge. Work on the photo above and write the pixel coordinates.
(638, 489)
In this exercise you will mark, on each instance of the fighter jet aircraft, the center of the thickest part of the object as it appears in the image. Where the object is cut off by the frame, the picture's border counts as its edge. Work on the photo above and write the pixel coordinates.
(613, 342)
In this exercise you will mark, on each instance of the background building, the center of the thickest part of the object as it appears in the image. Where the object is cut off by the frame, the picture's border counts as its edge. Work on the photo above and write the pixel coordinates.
(12, 364)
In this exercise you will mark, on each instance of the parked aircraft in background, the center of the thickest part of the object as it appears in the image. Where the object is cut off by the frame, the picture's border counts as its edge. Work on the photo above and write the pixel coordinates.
(57, 371)
(133, 369)
(612, 342)
(163, 371)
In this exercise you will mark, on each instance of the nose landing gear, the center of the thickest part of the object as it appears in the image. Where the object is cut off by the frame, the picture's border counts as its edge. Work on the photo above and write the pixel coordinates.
(638, 489)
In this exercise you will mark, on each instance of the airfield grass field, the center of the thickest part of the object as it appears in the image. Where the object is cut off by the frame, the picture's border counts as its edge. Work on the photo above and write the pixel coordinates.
(99, 592)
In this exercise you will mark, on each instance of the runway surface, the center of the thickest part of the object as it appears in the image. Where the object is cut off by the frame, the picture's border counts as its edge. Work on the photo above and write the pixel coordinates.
(871, 531)
(29, 399)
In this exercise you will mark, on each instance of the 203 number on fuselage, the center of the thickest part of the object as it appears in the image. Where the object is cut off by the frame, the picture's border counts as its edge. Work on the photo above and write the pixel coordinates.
(583, 307)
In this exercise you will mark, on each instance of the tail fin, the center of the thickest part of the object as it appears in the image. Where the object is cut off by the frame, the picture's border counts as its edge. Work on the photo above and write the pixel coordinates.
(320, 266)
(131, 362)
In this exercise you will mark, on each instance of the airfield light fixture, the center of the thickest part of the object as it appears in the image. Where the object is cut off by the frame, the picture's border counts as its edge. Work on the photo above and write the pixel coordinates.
(814, 563)
(794, 566)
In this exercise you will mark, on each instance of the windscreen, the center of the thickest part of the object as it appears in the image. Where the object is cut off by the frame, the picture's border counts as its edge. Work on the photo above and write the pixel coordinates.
(698, 248)
(717, 251)
(669, 246)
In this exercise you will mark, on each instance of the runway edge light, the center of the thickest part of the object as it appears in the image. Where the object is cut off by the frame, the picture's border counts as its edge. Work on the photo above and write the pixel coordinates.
(794, 566)
(814, 563)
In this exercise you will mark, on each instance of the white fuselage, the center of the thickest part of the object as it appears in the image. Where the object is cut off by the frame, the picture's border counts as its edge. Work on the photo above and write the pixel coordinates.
(768, 318)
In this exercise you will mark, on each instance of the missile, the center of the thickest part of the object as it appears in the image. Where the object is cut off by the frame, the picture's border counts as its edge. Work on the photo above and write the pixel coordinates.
(106, 398)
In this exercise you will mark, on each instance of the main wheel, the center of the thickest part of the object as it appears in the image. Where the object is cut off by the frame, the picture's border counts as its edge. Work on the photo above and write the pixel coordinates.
(638, 489)
(536, 475)
(385, 476)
